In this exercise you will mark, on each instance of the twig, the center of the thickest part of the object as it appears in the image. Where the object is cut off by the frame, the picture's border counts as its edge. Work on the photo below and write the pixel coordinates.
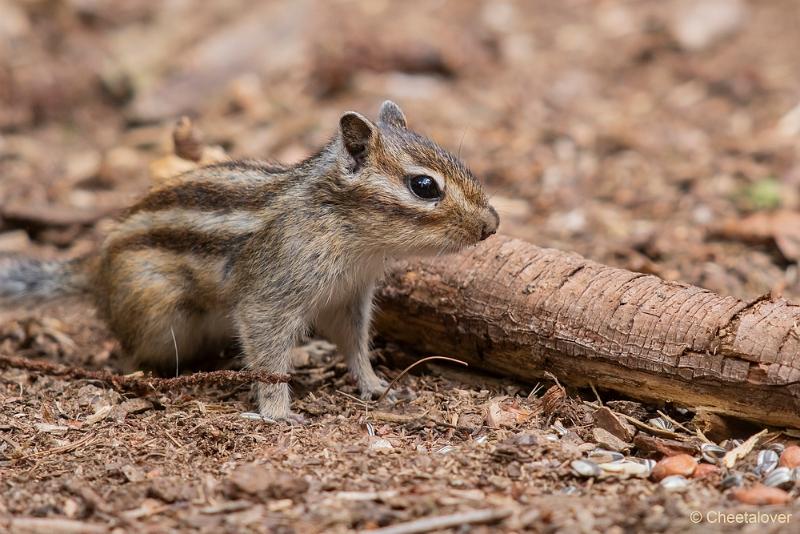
(57, 450)
(552, 377)
(142, 383)
(442, 522)
(389, 417)
(596, 394)
(177, 359)
(644, 426)
(407, 369)
(353, 398)
(698, 433)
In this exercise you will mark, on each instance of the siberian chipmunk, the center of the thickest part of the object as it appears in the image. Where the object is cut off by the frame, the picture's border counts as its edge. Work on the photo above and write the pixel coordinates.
(263, 253)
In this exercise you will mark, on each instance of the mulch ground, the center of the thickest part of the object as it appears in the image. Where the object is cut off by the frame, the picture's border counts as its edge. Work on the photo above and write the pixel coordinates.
(615, 129)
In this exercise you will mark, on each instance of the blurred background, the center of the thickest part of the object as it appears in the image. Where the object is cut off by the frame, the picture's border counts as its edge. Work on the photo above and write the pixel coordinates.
(658, 136)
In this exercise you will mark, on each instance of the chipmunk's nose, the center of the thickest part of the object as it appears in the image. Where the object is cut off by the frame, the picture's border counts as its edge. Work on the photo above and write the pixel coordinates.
(490, 223)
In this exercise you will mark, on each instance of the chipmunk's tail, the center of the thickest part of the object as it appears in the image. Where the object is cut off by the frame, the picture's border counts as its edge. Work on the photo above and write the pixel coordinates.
(27, 280)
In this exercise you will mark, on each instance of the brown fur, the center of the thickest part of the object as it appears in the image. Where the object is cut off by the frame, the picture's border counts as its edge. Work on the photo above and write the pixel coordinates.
(263, 253)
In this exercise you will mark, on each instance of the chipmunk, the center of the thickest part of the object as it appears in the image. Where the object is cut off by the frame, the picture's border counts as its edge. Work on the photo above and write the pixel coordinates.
(261, 253)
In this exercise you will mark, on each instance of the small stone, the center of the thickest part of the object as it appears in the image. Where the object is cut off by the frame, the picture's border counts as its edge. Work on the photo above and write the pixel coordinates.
(132, 473)
(379, 444)
(790, 457)
(705, 470)
(698, 24)
(761, 495)
(71, 508)
(608, 440)
(680, 464)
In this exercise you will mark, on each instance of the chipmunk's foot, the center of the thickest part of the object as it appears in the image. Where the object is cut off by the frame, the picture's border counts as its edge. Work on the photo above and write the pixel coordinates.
(374, 389)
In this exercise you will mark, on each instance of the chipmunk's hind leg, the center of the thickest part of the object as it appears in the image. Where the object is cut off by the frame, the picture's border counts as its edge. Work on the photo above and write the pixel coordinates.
(163, 314)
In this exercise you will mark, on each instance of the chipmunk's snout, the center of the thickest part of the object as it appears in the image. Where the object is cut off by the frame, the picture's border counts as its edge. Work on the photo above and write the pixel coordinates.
(490, 223)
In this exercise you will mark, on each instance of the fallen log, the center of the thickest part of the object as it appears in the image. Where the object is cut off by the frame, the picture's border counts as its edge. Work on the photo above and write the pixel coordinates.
(510, 307)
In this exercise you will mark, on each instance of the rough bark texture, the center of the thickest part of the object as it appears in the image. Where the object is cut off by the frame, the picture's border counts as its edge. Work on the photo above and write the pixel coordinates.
(513, 308)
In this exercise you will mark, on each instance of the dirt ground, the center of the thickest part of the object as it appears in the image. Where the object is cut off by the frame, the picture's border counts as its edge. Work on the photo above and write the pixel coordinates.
(662, 137)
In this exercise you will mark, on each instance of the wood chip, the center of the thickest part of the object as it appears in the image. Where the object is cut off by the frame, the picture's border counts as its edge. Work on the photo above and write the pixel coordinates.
(606, 419)
(663, 446)
(46, 525)
(608, 440)
(734, 455)
(442, 522)
(131, 406)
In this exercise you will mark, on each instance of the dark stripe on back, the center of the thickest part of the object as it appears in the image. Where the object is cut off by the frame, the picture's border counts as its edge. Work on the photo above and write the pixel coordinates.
(248, 165)
(208, 196)
(202, 243)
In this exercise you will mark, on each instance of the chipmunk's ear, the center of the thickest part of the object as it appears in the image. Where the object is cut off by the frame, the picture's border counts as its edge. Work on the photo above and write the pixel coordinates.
(357, 133)
(391, 115)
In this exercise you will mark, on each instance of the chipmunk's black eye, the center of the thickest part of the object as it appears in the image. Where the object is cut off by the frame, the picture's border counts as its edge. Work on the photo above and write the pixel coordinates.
(424, 187)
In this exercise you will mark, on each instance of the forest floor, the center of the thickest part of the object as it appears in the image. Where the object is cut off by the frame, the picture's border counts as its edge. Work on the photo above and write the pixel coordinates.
(624, 131)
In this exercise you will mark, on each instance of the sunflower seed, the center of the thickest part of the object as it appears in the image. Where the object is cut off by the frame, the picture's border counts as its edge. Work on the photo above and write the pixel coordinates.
(780, 477)
(585, 468)
(627, 467)
(777, 447)
(602, 456)
(712, 453)
(660, 422)
(766, 461)
(674, 483)
(731, 481)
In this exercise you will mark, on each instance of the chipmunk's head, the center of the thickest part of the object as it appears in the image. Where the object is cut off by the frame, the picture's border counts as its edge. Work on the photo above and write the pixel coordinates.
(414, 196)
